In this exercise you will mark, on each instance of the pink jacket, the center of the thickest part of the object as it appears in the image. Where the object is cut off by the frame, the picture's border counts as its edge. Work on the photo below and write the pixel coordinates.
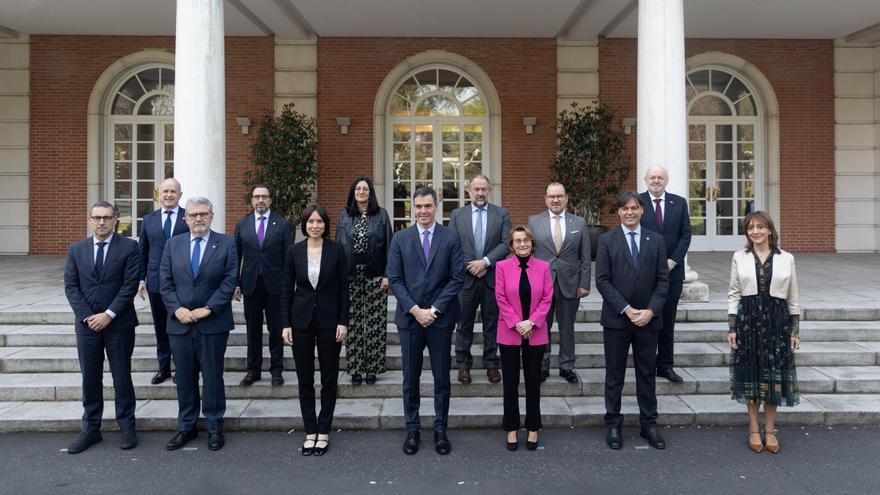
(507, 274)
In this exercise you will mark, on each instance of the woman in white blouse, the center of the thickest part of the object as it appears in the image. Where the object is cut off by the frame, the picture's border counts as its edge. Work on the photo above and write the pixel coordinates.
(314, 313)
(763, 318)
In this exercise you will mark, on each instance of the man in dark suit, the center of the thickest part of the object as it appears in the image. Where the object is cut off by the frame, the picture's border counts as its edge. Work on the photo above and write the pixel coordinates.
(261, 240)
(198, 275)
(670, 218)
(482, 229)
(156, 228)
(100, 281)
(562, 239)
(632, 276)
(425, 270)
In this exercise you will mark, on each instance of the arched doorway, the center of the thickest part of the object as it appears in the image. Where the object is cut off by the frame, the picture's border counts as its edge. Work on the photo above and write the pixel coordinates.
(725, 156)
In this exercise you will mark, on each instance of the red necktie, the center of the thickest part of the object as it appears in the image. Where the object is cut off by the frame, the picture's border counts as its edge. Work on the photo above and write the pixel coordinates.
(659, 212)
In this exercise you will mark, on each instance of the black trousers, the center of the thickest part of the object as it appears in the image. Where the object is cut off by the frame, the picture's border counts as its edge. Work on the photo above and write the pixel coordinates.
(479, 294)
(644, 345)
(160, 322)
(119, 346)
(195, 351)
(413, 341)
(304, 343)
(531, 366)
(666, 339)
(255, 305)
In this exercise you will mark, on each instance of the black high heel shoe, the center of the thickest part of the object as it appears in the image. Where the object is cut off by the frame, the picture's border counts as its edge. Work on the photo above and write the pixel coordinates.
(357, 379)
(512, 446)
(532, 445)
(370, 379)
(308, 449)
(319, 451)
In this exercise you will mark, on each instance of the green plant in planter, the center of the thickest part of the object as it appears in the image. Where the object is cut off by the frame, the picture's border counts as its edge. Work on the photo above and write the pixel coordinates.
(590, 160)
(285, 157)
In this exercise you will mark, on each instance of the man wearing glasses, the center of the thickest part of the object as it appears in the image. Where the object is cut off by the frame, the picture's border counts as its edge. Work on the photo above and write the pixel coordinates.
(197, 278)
(262, 239)
(562, 239)
(100, 281)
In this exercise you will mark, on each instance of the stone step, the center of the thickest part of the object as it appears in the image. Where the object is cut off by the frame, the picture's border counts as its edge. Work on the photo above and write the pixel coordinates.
(713, 380)
(282, 415)
(64, 359)
(585, 333)
(590, 311)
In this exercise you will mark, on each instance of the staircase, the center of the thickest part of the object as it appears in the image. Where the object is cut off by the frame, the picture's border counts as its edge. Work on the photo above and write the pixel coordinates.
(838, 371)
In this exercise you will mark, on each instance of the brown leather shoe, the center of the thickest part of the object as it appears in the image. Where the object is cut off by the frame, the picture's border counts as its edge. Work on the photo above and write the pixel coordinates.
(248, 380)
(277, 381)
(494, 375)
(464, 376)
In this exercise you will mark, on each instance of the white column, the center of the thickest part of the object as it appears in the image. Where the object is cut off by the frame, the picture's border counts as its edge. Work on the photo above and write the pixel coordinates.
(199, 104)
(661, 123)
(661, 120)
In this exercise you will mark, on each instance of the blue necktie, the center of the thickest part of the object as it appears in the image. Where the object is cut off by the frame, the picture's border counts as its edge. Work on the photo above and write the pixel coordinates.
(99, 259)
(634, 247)
(426, 246)
(196, 256)
(166, 228)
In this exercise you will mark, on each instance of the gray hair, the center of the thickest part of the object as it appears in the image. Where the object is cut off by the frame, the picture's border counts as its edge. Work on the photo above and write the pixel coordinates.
(480, 176)
(199, 200)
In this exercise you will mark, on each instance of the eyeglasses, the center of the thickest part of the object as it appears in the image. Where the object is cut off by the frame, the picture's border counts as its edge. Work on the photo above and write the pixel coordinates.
(99, 219)
(198, 214)
(522, 241)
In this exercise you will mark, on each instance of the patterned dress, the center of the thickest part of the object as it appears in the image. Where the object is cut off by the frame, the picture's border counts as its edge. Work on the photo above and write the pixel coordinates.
(762, 368)
(365, 346)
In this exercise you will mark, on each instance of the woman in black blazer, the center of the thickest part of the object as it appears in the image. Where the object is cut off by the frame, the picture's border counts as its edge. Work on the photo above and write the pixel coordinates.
(314, 303)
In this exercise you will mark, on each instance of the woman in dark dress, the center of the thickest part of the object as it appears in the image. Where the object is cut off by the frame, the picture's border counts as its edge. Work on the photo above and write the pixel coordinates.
(314, 313)
(364, 231)
(763, 318)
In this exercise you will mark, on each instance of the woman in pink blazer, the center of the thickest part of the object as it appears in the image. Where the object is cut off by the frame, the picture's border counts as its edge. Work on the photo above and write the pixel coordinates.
(524, 291)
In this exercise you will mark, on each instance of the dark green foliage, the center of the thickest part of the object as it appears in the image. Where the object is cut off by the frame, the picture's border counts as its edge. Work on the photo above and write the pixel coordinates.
(590, 160)
(285, 157)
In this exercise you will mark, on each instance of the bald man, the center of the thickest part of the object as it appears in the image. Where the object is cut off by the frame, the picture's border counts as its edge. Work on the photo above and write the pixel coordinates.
(156, 228)
(667, 214)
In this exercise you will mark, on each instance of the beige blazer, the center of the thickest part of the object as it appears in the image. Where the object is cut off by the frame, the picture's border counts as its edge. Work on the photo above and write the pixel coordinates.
(744, 280)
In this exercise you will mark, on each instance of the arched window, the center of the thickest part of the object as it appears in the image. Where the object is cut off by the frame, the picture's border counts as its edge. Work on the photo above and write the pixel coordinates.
(141, 142)
(723, 162)
(437, 137)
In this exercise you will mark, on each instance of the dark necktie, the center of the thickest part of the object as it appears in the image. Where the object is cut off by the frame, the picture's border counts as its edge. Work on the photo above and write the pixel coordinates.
(426, 245)
(166, 227)
(634, 248)
(659, 212)
(99, 259)
(196, 256)
(261, 236)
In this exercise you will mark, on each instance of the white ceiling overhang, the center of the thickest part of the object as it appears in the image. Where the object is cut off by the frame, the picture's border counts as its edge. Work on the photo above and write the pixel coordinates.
(571, 20)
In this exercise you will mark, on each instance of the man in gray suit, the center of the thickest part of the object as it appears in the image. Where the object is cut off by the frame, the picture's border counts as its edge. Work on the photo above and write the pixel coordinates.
(562, 240)
(482, 229)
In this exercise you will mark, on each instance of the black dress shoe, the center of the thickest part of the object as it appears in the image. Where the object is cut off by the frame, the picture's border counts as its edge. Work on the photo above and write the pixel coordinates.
(531, 445)
(569, 375)
(129, 440)
(411, 444)
(512, 446)
(84, 441)
(324, 442)
(669, 374)
(277, 381)
(545, 375)
(614, 439)
(160, 376)
(249, 379)
(181, 439)
(441, 443)
(216, 441)
(651, 434)
(357, 379)
(370, 379)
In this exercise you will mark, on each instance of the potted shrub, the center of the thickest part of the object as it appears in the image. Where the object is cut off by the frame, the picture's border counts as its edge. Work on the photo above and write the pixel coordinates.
(285, 157)
(590, 163)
